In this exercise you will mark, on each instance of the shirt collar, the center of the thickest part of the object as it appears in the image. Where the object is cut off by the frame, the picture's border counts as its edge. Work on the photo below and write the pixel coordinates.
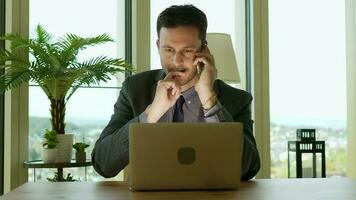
(189, 94)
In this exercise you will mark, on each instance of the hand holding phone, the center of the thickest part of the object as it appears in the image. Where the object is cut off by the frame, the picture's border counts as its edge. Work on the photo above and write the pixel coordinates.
(206, 75)
(200, 65)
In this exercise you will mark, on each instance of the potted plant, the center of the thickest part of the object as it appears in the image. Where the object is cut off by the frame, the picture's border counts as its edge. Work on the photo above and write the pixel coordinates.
(54, 66)
(49, 151)
(80, 155)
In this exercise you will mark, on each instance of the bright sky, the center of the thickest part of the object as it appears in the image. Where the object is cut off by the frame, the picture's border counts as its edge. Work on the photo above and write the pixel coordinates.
(307, 51)
(85, 18)
(307, 59)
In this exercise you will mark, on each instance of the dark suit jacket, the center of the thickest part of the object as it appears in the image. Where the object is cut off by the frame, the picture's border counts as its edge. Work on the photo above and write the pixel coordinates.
(110, 154)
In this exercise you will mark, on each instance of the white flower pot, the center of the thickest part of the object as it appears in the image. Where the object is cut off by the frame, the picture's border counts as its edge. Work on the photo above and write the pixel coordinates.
(49, 155)
(64, 146)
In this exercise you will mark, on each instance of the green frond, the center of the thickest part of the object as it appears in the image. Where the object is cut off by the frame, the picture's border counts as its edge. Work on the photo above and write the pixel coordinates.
(7, 56)
(43, 49)
(14, 76)
(42, 36)
(69, 47)
(73, 89)
(39, 75)
(99, 68)
(96, 70)
(100, 39)
(54, 57)
(17, 42)
(53, 64)
(125, 66)
(58, 87)
(38, 67)
(41, 53)
(71, 44)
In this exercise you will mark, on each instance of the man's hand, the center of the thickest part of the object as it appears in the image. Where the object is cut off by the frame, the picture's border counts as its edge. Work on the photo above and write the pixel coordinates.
(206, 78)
(167, 93)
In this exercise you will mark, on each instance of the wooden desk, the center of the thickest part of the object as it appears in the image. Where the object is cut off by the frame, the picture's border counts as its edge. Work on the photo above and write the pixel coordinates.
(266, 189)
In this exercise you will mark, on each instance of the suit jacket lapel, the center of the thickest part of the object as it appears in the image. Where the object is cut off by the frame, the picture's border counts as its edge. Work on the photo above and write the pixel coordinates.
(217, 91)
(160, 75)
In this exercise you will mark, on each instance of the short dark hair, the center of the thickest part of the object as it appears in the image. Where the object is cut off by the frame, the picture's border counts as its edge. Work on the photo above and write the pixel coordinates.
(183, 15)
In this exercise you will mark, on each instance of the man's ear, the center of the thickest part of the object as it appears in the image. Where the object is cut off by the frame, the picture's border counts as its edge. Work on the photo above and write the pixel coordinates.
(157, 43)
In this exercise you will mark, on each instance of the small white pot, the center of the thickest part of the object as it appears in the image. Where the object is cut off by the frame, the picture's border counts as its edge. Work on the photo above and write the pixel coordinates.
(64, 146)
(49, 155)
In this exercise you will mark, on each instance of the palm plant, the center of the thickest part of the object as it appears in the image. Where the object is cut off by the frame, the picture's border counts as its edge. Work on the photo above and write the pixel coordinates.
(54, 66)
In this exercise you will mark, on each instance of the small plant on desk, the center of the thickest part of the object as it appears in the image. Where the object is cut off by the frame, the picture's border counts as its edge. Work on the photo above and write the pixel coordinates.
(80, 155)
(49, 152)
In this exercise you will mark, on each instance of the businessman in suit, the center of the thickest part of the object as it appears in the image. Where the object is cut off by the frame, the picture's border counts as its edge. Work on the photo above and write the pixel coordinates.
(184, 90)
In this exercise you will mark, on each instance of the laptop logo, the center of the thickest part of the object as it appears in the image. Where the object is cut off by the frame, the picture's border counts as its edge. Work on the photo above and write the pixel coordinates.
(186, 155)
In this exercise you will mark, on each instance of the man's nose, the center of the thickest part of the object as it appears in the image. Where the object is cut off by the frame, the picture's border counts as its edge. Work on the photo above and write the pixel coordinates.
(178, 59)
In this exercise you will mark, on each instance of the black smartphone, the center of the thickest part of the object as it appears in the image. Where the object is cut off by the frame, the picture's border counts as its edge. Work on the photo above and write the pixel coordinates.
(200, 65)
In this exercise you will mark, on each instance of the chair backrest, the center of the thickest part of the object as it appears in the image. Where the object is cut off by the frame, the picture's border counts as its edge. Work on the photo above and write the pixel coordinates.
(126, 173)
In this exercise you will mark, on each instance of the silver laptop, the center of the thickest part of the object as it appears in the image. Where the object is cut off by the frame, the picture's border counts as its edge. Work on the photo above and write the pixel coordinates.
(185, 156)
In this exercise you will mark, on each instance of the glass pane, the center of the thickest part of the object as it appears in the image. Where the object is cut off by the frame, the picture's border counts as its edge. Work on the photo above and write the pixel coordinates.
(216, 21)
(58, 19)
(86, 117)
(89, 109)
(308, 78)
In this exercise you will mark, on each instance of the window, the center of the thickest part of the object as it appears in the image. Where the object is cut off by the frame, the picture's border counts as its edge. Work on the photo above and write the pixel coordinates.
(308, 78)
(90, 108)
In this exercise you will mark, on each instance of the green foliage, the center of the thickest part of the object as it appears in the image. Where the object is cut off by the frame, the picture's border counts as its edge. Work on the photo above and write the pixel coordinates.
(54, 66)
(80, 146)
(69, 178)
(50, 139)
(337, 160)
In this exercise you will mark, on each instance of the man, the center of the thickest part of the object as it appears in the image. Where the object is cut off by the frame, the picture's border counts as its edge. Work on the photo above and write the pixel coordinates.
(186, 90)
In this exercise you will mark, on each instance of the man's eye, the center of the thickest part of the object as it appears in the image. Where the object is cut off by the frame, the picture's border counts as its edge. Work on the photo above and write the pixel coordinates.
(168, 50)
(188, 51)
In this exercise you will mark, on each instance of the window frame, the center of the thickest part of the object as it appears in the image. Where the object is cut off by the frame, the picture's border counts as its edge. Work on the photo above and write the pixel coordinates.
(128, 34)
(124, 9)
(2, 100)
(248, 24)
(16, 106)
(351, 85)
(258, 77)
(256, 81)
(17, 21)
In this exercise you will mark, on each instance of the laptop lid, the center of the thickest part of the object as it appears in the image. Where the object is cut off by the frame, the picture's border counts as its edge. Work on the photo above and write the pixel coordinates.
(179, 156)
